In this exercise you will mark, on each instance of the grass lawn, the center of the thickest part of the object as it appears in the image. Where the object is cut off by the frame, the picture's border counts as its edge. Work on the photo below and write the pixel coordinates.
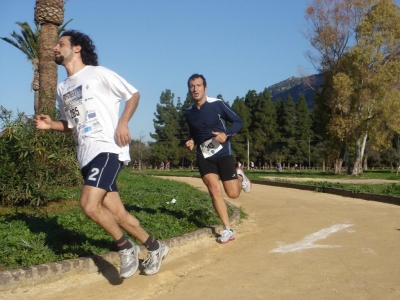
(31, 236)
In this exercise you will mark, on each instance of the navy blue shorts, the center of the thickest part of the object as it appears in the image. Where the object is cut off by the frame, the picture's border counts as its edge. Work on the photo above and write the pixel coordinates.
(102, 172)
(222, 166)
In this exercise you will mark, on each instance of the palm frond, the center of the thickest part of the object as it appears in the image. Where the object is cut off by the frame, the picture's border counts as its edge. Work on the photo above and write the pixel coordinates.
(28, 40)
(62, 27)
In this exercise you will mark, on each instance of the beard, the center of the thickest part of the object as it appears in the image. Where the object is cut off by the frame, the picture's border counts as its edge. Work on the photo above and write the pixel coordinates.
(59, 60)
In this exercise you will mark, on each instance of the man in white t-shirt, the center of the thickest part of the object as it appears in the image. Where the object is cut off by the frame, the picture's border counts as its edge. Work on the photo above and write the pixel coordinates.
(89, 104)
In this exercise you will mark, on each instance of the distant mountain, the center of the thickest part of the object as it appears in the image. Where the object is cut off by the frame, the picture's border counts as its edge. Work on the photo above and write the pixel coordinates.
(296, 87)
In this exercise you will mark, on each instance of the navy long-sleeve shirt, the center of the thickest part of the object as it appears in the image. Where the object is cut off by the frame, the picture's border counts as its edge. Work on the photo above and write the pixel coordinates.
(212, 116)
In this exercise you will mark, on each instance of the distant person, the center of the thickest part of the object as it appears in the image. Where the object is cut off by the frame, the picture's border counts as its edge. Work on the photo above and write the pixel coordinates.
(135, 165)
(278, 167)
(207, 118)
(296, 167)
(89, 104)
(252, 166)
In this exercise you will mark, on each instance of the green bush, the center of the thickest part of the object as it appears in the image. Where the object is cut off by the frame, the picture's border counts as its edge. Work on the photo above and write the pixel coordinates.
(33, 162)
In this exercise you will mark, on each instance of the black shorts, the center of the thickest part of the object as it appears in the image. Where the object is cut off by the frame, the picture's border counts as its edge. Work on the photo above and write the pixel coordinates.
(102, 171)
(222, 166)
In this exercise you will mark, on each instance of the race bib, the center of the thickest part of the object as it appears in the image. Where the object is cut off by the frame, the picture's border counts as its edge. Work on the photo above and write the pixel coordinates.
(89, 127)
(210, 147)
(74, 108)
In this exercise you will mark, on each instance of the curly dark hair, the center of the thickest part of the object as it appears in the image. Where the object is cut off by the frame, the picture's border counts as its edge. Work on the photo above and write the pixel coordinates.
(88, 54)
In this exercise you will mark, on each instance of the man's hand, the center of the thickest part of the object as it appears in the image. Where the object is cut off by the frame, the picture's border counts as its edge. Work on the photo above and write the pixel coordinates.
(190, 144)
(42, 122)
(122, 135)
(220, 136)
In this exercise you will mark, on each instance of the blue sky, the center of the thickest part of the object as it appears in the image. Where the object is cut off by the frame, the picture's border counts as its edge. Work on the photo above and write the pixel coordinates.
(238, 45)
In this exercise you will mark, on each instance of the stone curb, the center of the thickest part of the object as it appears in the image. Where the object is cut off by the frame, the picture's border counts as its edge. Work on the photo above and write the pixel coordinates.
(97, 263)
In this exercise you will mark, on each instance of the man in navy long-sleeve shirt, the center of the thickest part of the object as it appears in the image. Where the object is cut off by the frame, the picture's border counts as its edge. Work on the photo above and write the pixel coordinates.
(207, 119)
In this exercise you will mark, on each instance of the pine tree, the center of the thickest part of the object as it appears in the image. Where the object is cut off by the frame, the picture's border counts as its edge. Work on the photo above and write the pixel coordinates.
(303, 131)
(288, 130)
(239, 141)
(333, 149)
(251, 101)
(263, 127)
(166, 124)
(275, 152)
(271, 129)
(187, 157)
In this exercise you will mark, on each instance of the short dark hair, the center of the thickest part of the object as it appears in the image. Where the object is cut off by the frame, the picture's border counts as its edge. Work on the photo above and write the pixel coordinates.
(194, 76)
(88, 54)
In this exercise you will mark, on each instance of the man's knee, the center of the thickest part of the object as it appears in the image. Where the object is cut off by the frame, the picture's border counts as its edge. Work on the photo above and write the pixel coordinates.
(214, 191)
(91, 200)
(233, 193)
(212, 184)
(88, 208)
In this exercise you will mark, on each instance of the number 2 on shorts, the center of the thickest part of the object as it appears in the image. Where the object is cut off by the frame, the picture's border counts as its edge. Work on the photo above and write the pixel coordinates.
(94, 171)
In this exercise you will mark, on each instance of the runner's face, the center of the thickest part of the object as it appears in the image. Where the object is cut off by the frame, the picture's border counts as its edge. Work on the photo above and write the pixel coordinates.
(63, 52)
(197, 89)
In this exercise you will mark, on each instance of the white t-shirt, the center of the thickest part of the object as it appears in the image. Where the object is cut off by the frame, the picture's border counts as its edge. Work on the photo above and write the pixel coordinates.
(89, 100)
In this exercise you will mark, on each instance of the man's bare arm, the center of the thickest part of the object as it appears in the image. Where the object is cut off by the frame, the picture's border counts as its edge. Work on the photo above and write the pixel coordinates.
(44, 122)
(122, 133)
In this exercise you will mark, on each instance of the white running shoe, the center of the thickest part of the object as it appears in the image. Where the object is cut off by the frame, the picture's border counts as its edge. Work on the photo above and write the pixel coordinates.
(129, 261)
(246, 183)
(152, 263)
(226, 236)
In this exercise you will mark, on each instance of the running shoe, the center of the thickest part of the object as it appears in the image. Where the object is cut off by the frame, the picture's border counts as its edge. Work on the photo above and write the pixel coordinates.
(246, 183)
(129, 261)
(152, 263)
(226, 236)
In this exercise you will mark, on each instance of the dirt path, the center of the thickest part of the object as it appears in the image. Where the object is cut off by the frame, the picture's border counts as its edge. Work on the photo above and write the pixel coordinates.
(294, 245)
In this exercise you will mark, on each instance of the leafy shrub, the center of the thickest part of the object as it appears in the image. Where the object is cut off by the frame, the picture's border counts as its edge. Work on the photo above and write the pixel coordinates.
(32, 162)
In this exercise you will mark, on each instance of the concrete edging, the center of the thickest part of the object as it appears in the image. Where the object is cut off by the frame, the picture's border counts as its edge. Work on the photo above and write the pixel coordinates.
(51, 272)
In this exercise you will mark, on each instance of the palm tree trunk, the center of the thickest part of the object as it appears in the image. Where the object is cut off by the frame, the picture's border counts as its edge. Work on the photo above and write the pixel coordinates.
(36, 102)
(35, 87)
(49, 14)
(47, 67)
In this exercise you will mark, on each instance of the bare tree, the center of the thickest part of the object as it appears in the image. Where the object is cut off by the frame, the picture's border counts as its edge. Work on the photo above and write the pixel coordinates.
(139, 150)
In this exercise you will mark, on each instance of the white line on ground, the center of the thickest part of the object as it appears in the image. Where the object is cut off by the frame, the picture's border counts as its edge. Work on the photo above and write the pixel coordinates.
(309, 240)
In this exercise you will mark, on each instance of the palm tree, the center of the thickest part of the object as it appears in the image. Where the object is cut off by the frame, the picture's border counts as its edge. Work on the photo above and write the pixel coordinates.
(49, 14)
(28, 43)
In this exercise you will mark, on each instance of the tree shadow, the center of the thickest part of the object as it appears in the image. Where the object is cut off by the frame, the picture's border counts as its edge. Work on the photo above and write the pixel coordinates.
(193, 216)
(59, 239)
